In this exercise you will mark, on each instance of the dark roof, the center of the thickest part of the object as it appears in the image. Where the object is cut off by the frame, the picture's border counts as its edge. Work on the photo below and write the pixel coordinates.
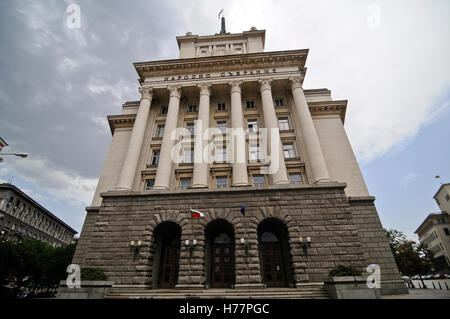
(17, 190)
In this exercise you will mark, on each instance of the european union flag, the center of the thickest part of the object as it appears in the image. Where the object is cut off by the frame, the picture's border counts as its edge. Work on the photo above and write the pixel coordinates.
(243, 209)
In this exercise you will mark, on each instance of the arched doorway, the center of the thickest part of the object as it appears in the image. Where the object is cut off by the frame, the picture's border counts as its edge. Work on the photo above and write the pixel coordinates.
(274, 253)
(167, 254)
(220, 254)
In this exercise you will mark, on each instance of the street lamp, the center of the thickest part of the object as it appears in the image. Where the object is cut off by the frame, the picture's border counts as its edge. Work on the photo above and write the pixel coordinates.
(23, 155)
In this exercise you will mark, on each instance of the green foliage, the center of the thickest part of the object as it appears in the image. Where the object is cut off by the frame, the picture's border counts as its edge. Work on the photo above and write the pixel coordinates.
(411, 258)
(31, 262)
(90, 273)
(341, 271)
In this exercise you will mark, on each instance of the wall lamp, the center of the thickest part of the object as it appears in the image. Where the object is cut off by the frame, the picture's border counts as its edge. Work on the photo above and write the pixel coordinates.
(244, 243)
(137, 243)
(305, 245)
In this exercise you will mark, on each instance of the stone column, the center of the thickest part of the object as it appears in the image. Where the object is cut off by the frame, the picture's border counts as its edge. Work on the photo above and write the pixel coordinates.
(271, 122)
(200, 178)
(240, 175)
(163, 172)
(316, 159)
(128, 172)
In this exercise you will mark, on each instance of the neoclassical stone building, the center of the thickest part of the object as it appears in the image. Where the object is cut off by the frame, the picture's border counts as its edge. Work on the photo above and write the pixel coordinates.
(312, 213)
(22, 217)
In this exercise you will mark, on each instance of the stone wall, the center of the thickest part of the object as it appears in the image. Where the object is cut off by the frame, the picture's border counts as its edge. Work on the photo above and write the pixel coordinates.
(322, 212)
(375, 245)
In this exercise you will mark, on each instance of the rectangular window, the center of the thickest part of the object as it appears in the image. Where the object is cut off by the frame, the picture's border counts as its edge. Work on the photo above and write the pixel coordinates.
(258, 180)
(192, 108)
(188, 156)
(185, 183)
(295, 179)
(254, 153)
(221, 154)
(252, 125)
(160, 131)
(279, 102)
(149, 183)
(190, 128)
(222, 126)
(446, 231)
(283, 124)
(288, 150)
(164, 109)
(155, 157)
(250, 104)
(221, 182)
(221, 106)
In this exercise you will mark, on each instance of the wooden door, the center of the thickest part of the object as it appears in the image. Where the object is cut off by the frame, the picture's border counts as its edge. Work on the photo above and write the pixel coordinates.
(169, 264)
(221, 266)
(273, 267)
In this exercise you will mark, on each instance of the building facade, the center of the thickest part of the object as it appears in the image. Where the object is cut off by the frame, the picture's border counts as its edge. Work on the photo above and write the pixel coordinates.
(442, 197)
(434, 232)
(22, 217)
(307, 208)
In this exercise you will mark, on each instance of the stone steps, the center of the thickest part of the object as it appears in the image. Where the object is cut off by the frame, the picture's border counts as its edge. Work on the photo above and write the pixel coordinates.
(306, 292)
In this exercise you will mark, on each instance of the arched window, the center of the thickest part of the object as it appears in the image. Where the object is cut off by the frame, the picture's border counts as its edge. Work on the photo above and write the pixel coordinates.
(222, 238)
(268, 237)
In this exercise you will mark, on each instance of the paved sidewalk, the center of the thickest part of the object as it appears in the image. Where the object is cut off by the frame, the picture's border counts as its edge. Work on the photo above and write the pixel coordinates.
(422, 294)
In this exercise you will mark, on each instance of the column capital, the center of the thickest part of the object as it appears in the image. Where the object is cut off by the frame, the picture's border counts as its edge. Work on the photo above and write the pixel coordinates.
(296, 82)
(235, 86)
(205, 89)
(265, 84)
(146, 92)
(175, 90)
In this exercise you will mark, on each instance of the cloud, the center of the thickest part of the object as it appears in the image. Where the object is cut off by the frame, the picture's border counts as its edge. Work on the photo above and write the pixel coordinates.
(60, 184)
(406, 179)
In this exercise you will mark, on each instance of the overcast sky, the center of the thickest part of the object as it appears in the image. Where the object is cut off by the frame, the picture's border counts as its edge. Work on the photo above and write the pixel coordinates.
(390, 59)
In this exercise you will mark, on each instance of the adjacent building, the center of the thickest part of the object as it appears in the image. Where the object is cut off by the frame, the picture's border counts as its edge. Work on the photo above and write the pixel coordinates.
(22, 217)
(282, 222)
(434, 231)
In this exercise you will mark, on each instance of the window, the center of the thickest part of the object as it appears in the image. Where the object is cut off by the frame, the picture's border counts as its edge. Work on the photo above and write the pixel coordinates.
(258, 180)
(252, 125)
(447, 197)
(295, 179)
(185, 183)
(155, 157)
(188, 156)
(221, 154)
(283, 124)
(149, 183)
(222, 126)
(250, 104)
(160, 131)
(279, 102)
(190, 128)
(192, 108)
(446, 231)
(221, 106)
(288, 150)
(254, 153)
(164, 109)
(221, 182)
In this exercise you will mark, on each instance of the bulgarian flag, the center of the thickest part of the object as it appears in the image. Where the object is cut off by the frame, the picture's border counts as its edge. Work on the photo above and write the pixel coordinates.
(196, 213)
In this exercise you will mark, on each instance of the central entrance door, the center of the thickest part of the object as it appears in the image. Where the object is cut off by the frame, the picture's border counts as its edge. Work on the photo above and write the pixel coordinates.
(221, 262)
(169, 263)
(272, 259)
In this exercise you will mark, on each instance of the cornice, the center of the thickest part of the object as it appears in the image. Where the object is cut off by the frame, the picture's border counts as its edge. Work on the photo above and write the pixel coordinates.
(215, 63)
(123, 120)
(329, 107)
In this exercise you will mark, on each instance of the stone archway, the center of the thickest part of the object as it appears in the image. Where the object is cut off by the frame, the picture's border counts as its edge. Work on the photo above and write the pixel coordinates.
(167, 241)
(220, 248)
(274, 253)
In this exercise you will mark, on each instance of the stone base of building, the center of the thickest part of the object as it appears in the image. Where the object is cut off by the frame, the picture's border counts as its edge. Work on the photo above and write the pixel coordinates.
(343, 231)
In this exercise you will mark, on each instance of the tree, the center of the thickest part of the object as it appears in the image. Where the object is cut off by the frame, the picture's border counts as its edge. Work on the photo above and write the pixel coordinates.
(31, 262)
(412, 258)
